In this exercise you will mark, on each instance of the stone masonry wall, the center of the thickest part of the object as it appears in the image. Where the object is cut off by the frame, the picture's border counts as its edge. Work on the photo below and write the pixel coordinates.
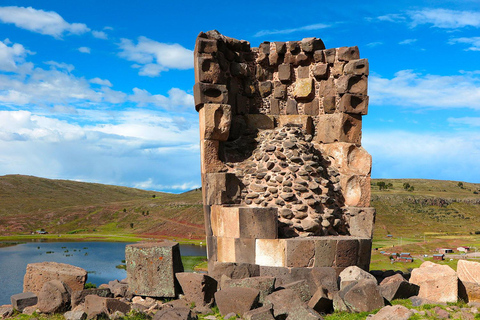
(280, 127)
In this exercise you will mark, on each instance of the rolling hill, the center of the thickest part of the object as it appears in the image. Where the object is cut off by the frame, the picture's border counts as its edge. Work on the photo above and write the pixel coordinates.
(27, 203)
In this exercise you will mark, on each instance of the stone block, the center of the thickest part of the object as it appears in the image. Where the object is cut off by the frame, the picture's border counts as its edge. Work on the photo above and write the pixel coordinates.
(339, 127)
(286, 303)
(291, 108)
(285, 72)
(239, 70)
(318, 56)
(274, 58)
(301, 288)
(352, 84)
(396, 312)
(119, 289)
(347, 252)
(320, 302)
(244, 222)
(330, 55)
(357, 67)
(304, 89)
(237, 300)
(336, 69)
(280, 47)
(262, 313)
(203, 45)
(212, 248)
(330, 104)
(364, 253)
(312, 44)
(239, 250)
(175, 313)
(96, 306)
(354, 104)
(221, 188)
(469, 275)
(22, 300)
(280, 90)
(356, 190)
(306, 122)
(361, 296)
(325, 251)
(208, 70)
(274, 106)
(197, 288)
(327, 88)
(348, 53)
(54, 297)
(311, 108)
(302, 59)
(348, 158)
(209, 156)
(396, 287)
(438, 283)
(75, 315)
(270, 252)
(299, 252)
(321, 71)
(265, 88)
(360, 221)
(353, 274)
(209, 93)
(78, 297)
(265, 285)
(260, 121)
(303, 72)
(215, 120)
(232, 270)
(151, 268)
(293, 47)
(39, 273)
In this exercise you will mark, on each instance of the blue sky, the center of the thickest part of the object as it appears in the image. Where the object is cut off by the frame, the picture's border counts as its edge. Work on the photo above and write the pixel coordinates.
(101, 91)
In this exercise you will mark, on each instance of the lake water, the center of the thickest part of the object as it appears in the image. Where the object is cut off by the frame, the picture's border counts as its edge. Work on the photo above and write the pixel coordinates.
(98, 258)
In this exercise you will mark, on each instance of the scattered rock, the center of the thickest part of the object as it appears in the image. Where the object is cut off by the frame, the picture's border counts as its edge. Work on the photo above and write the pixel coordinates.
(54, 297)
(22, 300)
(437, 282)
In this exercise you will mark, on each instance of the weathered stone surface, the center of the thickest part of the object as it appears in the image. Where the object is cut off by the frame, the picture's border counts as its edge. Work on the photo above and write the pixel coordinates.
(353, 104)
(96, 306)
(265, 285)
(208, 70)
(197, 288)
(236, 299)
(356, 190)
(299, 252)
(209, 93)
(270, 252)
(151, 268)
(359, 296)
(285, 72)
(221, 188)
(244, 222)
(437, 283)
(305, 122)
(286, 303)
(361, 220)
(348, 53)
(215, 121)
(39, 273)
(232, 270)
(353, 274)
(75, 315)
(117, 289)
(241, 250)
(339, 127)
(357, 67)
(262, 313)
(260, 121)
(325, 251)
(312, 44)
(291, 107)
(352, 84)
(468, 273)
(396, 312)
(54, 297)
(78, 297)
(22, 300)
(348, 158)
(347, 252)
(320, 302)
(301, 288)
(311, 108)
(303, 89)
(210, 162)
(175, 314)
(396, 287)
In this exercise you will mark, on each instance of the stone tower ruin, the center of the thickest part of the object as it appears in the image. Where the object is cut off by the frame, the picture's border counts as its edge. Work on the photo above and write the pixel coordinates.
(285, 180)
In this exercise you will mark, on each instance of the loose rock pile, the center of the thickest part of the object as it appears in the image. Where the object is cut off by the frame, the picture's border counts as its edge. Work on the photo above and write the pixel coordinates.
(262, 297)
(287, 172)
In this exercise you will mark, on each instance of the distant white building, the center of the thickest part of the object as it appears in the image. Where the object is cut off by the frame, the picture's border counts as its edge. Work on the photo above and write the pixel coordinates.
(463, 249)
(445, 250)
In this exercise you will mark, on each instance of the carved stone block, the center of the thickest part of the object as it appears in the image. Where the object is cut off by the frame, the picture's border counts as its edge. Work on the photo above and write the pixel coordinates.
(352, 84)
(306, 122)
(348, 53)
(215, 120)
(209, 93)
(339, 127)
(357, 67)
(354, 104)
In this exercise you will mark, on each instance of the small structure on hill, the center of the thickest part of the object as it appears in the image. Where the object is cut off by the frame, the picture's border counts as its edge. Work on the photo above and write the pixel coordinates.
(285, 180)
(445, 250)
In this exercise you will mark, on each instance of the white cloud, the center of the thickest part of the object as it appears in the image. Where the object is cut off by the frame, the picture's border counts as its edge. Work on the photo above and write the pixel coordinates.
(374, 44)
(408, 88)
(473, 41)
(408, 41)
(43, 22)
(176, 98)
(84, 49)
(123, 153)
(153, 57)
(470, 121)
(438, 18)
(102, 82)
(445, 18)
(99, 34)
(445, 156)
(310, 27)
(61, 65)
(11, 55)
